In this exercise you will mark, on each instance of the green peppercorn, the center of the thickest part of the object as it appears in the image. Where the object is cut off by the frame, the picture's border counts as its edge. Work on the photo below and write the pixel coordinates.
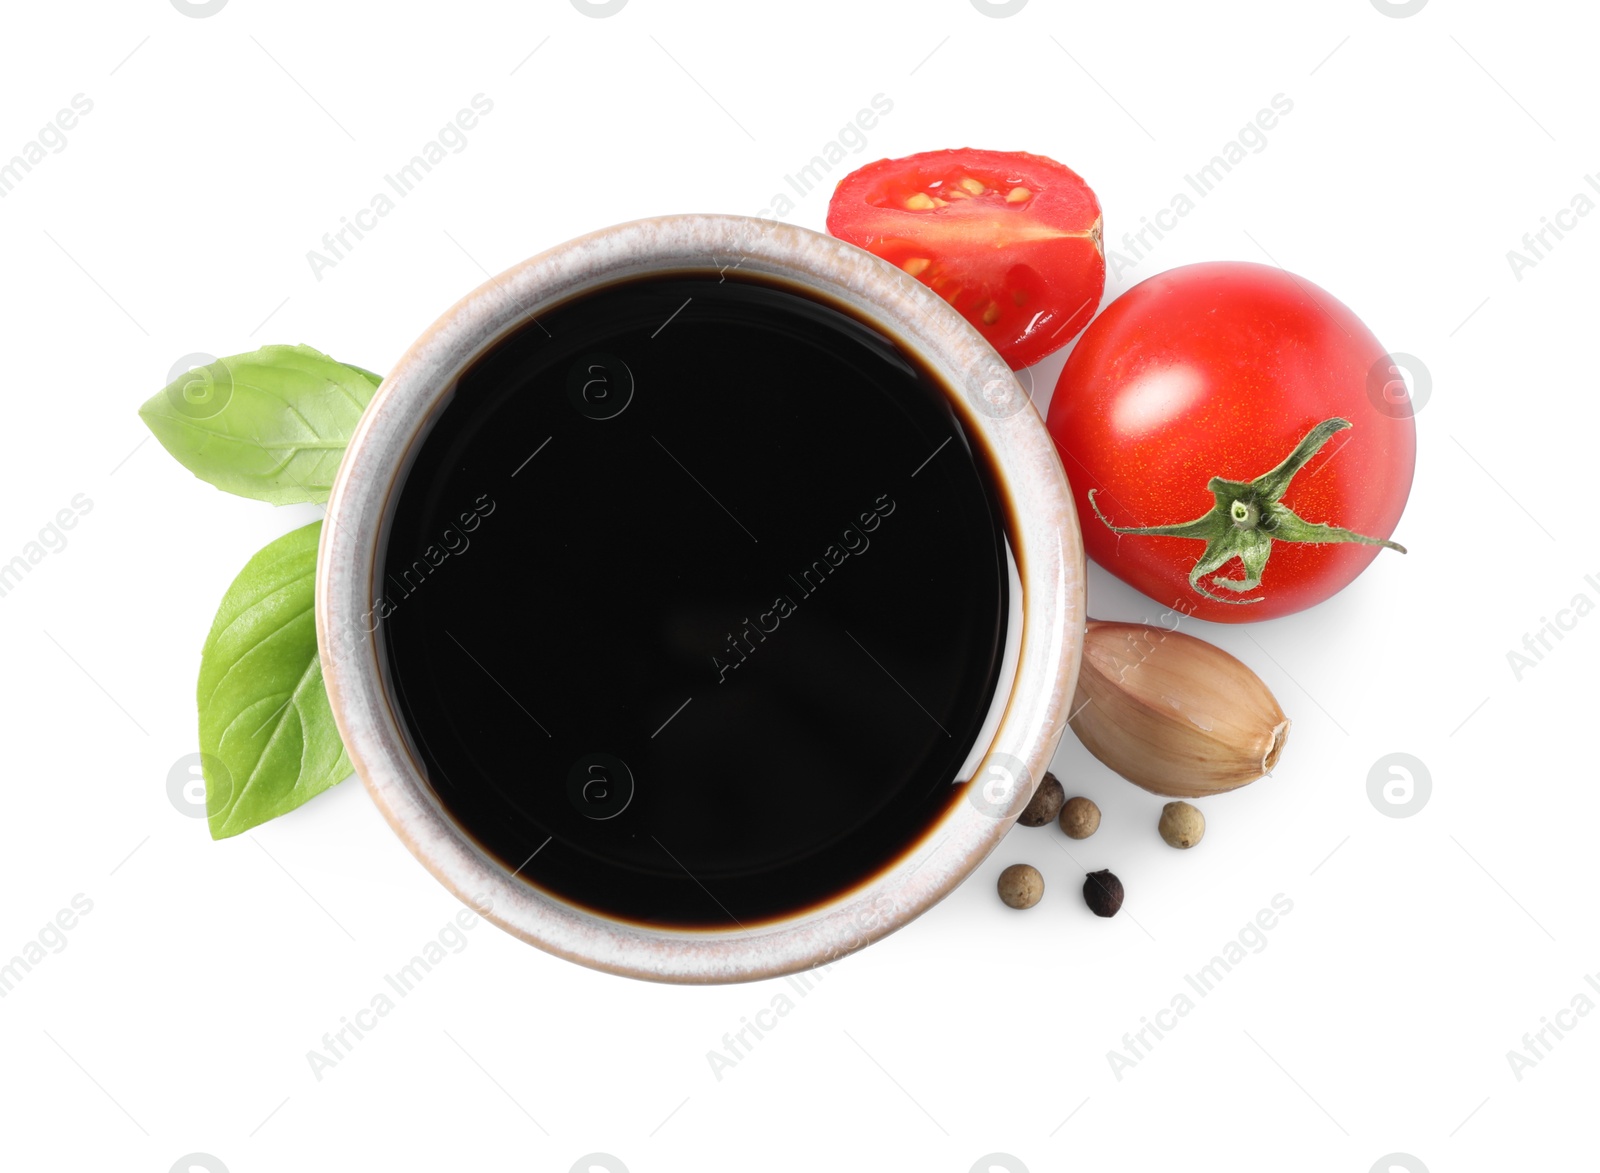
(1181, 825)
(1021, 885)
(1080, 818)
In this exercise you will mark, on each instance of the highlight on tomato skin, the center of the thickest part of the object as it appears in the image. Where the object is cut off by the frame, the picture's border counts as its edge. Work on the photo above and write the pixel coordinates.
(1011, 240)
(1226, 448)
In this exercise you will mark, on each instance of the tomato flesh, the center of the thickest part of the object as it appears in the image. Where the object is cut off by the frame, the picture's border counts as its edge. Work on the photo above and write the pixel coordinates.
(1011, 240)
(1233, 442)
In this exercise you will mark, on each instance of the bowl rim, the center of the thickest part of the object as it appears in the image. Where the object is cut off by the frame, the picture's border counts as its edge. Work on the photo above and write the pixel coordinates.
(1048, 551)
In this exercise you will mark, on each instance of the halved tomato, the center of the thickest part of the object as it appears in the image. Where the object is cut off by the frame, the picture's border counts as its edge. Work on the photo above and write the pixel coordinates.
(1009, 239)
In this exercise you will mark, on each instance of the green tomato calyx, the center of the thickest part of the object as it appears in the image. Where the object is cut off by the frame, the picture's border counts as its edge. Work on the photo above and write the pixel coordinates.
(1247, 518)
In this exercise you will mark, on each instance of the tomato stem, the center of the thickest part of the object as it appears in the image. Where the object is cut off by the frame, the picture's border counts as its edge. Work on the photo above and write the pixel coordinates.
(1248, 517)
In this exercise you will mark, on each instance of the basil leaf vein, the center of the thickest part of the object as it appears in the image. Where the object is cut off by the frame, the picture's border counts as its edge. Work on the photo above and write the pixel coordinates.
(268, 741)
(271, 425)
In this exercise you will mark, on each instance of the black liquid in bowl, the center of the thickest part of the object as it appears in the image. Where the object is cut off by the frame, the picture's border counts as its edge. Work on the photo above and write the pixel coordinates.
(693, 601)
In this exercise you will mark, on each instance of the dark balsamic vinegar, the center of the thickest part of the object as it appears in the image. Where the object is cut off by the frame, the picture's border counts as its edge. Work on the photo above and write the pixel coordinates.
(693, 601)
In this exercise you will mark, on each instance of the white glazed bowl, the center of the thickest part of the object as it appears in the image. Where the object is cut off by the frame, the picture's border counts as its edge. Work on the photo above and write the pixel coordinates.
(1046, 545)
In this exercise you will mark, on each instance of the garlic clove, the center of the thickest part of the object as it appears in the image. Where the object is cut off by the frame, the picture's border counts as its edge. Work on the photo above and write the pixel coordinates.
(1174, 714)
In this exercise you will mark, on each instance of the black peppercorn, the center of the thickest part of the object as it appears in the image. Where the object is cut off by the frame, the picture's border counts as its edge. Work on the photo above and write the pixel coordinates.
(1102, 892)
(1045, 804)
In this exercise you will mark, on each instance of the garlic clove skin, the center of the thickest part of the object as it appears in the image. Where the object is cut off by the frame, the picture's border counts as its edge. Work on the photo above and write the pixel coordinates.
(1174, 714)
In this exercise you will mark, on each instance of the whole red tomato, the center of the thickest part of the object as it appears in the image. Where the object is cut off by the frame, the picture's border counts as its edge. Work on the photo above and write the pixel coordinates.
(1239, 444)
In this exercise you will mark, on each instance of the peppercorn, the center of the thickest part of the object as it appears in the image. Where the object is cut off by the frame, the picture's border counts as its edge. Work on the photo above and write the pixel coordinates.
(1102, 892)
(1181, 825)
(1045, 803)
(1021, 885)
(1080, 818)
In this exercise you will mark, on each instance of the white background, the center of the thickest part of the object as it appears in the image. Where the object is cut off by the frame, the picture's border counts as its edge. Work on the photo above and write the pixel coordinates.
(1419, 950)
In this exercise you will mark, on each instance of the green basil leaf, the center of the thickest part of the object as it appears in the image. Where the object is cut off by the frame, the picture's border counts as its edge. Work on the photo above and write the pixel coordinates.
(268, 741)
(375, 378)
(271, 424)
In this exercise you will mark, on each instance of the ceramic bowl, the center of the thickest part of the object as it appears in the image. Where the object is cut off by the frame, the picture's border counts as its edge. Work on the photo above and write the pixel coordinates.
(1046, 547)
